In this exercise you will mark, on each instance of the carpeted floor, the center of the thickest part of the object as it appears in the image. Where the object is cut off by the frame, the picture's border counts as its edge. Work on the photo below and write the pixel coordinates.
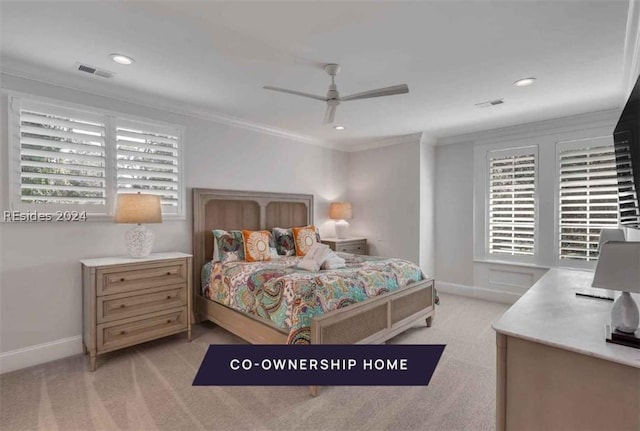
(149, 387)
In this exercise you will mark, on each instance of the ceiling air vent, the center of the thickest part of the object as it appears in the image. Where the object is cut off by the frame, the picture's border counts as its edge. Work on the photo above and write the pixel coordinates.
(490, 103)
(94, 71)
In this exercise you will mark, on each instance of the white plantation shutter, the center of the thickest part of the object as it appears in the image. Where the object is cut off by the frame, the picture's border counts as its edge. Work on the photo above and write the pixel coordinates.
(65, 157)
(588, 198)
(62, 157)
(148, 161)
(512, 202)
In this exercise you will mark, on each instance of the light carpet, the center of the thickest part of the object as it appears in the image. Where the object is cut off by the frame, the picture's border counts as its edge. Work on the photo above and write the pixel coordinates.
(148, 387)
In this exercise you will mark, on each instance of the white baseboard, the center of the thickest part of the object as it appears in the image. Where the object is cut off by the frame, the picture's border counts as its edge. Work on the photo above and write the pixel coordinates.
(40, 353)
(477, 292)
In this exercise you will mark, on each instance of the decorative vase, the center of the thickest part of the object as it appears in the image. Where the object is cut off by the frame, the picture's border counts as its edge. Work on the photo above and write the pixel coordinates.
(139, 241)
(342, 229)
(624, 314)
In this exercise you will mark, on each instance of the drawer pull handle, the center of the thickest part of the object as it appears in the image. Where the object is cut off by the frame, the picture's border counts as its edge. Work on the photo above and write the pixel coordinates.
(168, 296)
(123, 332)
(122, 279)
(168, 273)
(168, 320)
(122, 306)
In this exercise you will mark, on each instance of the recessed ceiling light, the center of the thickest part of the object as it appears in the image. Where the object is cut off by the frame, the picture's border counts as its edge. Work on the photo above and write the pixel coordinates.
(338, 127)
(524, 82)
(122, 59)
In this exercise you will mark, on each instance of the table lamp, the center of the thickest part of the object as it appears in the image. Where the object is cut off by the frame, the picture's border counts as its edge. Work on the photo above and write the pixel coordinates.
(341, 211)
(138, 208)
(618, 268)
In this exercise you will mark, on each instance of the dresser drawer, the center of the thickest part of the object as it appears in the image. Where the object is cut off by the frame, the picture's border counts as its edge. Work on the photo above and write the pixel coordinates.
(352, 248)
(138, 277)
(115, 335)
(129, 304)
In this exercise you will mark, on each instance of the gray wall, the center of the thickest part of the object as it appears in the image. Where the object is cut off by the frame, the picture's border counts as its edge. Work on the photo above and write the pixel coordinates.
(454, 213)
(384, 188)
(427, 208)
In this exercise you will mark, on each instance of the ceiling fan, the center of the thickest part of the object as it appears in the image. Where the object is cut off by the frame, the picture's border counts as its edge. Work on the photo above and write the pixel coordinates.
(333, 98)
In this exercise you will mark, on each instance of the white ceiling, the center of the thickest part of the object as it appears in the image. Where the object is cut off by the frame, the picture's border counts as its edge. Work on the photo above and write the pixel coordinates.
(215, 57)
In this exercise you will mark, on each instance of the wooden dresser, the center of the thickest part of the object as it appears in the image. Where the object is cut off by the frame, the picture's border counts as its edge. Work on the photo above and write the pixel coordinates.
(555, 371)
(127, 301)
(347, 245)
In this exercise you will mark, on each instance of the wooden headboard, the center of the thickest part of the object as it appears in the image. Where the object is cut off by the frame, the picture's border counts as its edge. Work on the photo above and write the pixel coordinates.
(236, 210)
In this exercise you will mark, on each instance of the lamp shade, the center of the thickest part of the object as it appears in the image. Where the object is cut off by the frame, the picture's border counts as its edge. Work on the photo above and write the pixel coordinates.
(610, 234)
(138, 208)
(340, 211)
(618, 267)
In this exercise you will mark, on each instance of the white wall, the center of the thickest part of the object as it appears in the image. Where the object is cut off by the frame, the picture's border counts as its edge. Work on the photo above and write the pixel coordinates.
(40, 283)
(384, 188)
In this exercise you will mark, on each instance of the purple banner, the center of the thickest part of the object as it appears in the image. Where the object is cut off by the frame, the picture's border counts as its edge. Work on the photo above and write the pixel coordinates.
(328, 365)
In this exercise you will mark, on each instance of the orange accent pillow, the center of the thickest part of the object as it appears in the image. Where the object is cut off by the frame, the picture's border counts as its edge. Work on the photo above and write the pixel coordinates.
(304, 238)
(256, 245)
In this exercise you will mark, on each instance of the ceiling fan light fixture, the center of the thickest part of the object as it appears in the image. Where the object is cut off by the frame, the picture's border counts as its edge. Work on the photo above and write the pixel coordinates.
(338, 127)
(524, 82)
(122, 59)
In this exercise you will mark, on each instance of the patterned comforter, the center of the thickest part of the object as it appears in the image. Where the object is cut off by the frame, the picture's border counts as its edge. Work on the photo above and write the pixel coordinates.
(291, 297)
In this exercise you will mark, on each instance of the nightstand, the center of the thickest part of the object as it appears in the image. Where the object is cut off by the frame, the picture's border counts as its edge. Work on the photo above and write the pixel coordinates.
(127, 301)
(352, 245)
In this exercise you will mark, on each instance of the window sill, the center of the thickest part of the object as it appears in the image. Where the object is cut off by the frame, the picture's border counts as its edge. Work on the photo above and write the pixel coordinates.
(510, 263)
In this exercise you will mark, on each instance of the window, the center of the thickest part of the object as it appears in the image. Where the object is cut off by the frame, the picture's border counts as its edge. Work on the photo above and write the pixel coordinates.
(147, 161)
(70, 158)
(62, 157)
(588, 197)
(512, 202)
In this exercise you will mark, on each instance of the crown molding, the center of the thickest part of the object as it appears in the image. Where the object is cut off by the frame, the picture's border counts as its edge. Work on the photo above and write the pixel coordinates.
(591, 120)
(384, 142)
(631, 58)
(170, 107)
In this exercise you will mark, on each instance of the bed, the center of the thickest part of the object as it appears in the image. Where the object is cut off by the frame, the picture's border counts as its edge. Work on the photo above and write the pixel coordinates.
(373, 320)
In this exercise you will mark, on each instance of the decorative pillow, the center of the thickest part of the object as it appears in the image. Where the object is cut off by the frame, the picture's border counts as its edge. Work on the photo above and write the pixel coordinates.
(284, 241)
(230, 245)
(272, 246)
(256, 245)
(304, 238)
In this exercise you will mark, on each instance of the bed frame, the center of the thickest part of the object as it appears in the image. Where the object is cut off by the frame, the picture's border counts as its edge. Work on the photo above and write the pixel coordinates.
(369, 322)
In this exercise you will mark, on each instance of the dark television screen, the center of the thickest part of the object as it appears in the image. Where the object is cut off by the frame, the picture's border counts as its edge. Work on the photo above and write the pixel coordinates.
(626, 138)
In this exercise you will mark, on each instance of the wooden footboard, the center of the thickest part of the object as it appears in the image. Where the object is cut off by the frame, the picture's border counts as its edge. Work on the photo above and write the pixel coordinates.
(369, 322)
(377, 319)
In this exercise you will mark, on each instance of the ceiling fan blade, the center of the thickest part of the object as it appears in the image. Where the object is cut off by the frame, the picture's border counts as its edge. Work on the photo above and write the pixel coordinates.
(297, 93)
(330, 113)
(387, 91)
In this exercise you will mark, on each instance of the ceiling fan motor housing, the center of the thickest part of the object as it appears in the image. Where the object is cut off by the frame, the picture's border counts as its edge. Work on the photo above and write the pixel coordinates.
(332, 94)
(332, 69)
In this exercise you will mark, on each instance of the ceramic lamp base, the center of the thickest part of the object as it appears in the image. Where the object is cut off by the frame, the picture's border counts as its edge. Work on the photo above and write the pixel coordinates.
(139, 241)
(624, 314)
(342, 229)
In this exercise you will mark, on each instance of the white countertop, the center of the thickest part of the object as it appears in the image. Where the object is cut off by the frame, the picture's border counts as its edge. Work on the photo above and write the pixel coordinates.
(551, 313)
(121, 260)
